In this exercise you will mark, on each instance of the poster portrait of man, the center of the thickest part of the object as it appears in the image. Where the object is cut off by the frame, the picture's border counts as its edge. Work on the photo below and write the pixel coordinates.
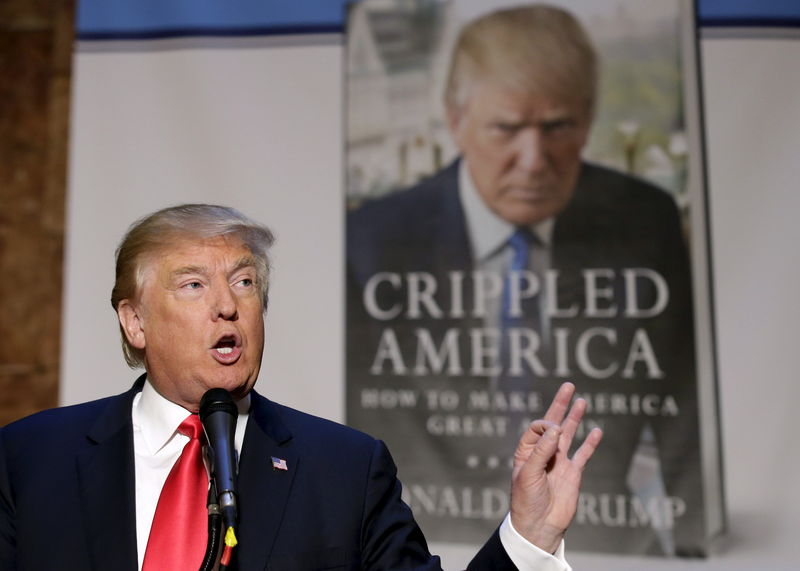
(519, 215)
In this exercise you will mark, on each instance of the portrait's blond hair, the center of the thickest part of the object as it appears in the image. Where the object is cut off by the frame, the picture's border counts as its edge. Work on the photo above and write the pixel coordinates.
(153, 235)
(536, 49)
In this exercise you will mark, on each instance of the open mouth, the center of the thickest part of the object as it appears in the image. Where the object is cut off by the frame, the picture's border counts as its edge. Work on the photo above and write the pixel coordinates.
(225, 345)
(227, 349)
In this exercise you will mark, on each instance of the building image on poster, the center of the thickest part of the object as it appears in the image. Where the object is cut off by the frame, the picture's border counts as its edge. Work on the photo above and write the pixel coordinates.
(518, 215)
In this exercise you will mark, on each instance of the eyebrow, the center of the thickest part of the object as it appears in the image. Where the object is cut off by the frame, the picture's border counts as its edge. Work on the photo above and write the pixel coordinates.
(243, 262)
(185, 270)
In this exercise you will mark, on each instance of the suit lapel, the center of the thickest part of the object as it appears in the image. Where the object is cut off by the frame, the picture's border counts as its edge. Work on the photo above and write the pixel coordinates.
(107, 487)
(263, 490)
(106, 477)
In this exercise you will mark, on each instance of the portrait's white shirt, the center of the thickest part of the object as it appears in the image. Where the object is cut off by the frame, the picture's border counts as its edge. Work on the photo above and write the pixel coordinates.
(488, 236)
(157, 444)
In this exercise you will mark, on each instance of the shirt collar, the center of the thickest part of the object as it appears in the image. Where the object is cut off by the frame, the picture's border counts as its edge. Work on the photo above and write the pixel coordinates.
(158, 419)
(488, 233)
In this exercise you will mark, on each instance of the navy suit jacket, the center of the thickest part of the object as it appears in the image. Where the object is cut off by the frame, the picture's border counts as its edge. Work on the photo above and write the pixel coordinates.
(67, 497)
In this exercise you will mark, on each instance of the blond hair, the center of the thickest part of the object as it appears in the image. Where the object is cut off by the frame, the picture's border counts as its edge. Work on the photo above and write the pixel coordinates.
(157, 231)
(537, 49)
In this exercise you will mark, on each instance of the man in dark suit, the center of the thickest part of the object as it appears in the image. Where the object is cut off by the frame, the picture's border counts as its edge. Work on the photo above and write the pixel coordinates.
(79, 485)
(519, 266)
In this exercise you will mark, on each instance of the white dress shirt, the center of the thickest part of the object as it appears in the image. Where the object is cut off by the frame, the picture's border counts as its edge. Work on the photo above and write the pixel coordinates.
(157, 445)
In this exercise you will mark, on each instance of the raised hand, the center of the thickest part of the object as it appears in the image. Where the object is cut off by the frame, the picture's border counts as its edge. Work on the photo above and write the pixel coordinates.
(545, 482)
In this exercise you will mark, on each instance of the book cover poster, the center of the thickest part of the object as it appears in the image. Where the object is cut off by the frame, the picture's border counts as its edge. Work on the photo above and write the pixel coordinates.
(524, 207)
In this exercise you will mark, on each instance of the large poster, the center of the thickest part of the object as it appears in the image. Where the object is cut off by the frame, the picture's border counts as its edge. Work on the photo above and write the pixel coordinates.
(523, 188)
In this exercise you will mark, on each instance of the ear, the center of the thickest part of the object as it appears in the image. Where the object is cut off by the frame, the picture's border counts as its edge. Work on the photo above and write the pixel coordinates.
(132, 323)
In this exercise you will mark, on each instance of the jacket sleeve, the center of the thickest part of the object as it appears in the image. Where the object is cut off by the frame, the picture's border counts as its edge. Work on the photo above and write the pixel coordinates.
(492, 556)
(391, 538)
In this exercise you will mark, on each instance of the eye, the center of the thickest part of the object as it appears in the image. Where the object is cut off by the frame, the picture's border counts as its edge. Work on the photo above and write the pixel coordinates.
(506, 128)
(557, 126)
(245, 283)
(193, 285)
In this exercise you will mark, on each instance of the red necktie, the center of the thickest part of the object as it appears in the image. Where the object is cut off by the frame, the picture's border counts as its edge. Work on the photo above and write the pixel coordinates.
(180, 526)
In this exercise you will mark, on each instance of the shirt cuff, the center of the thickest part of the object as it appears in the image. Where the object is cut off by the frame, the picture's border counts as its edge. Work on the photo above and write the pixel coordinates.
(526, 556)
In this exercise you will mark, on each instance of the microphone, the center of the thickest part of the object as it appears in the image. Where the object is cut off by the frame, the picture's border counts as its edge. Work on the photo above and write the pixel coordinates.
(218, 414)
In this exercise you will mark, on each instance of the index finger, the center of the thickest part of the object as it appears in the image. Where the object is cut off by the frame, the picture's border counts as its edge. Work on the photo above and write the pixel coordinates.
(558, 408)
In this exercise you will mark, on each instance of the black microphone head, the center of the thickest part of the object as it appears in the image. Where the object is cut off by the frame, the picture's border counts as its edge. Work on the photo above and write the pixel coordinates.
(218, 413)
(217, 400)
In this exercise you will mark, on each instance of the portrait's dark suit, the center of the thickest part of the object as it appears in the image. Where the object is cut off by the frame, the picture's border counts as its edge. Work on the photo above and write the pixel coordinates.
(613, 222)
(67, 495)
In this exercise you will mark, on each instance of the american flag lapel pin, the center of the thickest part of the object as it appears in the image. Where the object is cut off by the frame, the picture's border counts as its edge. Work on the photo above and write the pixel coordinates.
(279, 464)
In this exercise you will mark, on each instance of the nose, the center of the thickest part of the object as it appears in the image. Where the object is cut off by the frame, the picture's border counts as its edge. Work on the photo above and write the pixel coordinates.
(224, 304)
(531, 155)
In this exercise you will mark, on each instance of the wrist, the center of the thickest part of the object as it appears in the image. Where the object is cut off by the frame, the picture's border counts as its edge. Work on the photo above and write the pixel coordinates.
(544, 536)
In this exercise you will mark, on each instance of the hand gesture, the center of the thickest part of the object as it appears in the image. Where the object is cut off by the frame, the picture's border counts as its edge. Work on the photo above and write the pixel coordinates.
(545, 482)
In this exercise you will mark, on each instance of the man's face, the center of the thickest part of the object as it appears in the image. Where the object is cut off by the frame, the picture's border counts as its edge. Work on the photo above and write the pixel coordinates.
(199, 320)
(522, 150)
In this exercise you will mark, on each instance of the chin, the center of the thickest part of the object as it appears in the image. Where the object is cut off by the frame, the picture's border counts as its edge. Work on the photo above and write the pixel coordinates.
(241, 385)
(240, 391)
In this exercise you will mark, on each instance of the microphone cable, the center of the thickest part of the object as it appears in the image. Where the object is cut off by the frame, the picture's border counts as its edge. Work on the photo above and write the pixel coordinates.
(214, 529)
